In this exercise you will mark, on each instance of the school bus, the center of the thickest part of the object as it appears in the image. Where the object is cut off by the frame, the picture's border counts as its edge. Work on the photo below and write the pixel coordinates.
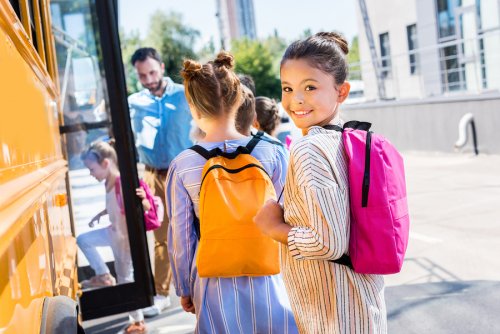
(61, 86)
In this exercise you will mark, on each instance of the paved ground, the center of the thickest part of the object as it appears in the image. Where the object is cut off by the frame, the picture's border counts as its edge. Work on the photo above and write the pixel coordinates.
(450, 282)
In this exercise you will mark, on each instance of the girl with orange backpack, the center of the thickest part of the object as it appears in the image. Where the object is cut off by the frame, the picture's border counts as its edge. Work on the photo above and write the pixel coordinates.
(224, 269)
(326, 297)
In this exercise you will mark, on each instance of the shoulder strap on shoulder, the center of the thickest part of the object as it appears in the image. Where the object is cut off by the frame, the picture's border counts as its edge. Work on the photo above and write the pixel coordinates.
(333, 127)
(268, 139)
(357, 125)
(203, 152)
(118, 194)
(253, 142)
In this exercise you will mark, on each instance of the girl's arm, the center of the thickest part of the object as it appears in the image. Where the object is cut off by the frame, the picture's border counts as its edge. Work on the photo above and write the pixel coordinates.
(182, 238)
(97, 217)
(320, 206)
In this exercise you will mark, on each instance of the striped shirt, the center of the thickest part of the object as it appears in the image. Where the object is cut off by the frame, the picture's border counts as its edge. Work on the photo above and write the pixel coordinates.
(223, 305)
(326, 297)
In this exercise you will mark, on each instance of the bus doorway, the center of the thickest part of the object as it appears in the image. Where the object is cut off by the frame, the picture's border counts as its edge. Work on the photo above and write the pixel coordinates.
(113, 262)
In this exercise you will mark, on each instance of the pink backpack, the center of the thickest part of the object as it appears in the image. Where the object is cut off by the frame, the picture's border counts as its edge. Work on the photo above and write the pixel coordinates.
(379, 209)
(154, 216)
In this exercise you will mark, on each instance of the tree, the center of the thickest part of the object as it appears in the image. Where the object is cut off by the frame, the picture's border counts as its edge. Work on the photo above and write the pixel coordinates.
(130, 43)
(173, 39)
(253, 58)
(354, 60)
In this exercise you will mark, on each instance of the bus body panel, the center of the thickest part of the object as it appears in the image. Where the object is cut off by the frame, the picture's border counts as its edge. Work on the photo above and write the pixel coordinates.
(37, 247)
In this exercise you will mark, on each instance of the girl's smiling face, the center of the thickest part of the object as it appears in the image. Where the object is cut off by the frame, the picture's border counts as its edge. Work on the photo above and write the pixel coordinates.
(309, 95)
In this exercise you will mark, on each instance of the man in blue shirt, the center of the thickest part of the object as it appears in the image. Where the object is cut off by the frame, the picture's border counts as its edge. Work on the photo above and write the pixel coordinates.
(161, 121)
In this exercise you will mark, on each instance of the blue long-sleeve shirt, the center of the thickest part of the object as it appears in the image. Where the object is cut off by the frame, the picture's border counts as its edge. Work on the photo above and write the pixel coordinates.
(161, 124)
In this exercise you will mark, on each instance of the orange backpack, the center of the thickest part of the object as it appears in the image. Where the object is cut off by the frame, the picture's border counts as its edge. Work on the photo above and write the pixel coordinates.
(234, 187)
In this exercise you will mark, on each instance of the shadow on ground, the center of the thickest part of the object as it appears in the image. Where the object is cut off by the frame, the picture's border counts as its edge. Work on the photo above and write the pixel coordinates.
(444, 307)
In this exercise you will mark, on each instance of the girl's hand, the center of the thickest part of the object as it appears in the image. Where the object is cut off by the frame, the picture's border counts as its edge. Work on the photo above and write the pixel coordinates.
(141, 193)
(270, 220)
(187, 304)
(95, 220)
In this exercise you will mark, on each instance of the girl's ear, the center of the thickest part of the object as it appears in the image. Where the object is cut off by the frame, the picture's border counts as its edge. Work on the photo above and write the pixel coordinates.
(105, 163)
(344, 91)
(256, 124)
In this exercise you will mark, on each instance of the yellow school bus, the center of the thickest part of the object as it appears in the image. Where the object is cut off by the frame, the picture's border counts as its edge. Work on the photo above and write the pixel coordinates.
(39, 290)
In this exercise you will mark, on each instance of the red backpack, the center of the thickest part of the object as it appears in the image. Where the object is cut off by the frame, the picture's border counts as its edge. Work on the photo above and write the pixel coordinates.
(154, 216)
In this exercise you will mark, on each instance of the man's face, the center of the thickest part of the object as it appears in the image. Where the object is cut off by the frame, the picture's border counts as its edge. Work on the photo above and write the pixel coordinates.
(150, 73)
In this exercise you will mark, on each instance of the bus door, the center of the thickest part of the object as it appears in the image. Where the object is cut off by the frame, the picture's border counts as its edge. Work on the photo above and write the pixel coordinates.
(113, 261)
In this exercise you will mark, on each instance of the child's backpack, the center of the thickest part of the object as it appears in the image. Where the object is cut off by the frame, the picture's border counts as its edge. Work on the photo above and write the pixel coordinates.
(379, 210)
(152, 217)
(234, 187)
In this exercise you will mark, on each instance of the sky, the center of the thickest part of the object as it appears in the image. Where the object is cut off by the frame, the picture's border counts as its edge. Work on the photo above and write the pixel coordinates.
(289, 17)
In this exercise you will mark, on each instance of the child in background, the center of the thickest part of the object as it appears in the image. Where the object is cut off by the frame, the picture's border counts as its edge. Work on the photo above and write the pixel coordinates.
(101, 160)
(245, 116)
(326, 297)
(268, 117)
(253, 304)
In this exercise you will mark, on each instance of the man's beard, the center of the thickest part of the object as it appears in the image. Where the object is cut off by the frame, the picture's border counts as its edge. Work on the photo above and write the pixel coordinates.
(155, 87)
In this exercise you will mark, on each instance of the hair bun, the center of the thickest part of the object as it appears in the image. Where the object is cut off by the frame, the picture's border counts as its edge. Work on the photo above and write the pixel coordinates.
(336, 38)
(224, 59)
(191, 69)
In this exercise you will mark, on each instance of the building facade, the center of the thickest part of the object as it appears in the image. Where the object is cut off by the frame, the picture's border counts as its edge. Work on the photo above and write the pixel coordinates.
(429, 48)
(236, 20)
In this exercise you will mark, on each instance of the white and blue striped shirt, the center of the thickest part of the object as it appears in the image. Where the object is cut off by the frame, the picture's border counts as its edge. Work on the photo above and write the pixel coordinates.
(223, 305)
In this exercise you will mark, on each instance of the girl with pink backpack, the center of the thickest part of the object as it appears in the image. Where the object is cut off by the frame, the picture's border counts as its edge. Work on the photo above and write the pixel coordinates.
(315, 225)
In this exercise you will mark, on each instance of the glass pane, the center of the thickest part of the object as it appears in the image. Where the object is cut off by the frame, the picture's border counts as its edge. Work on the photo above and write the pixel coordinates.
(101, 228)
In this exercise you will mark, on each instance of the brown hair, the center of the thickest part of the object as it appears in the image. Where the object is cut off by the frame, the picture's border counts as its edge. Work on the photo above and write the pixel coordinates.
(267, 113)
(98, 151)
(246, 112)
(325, 51)
(212, 88)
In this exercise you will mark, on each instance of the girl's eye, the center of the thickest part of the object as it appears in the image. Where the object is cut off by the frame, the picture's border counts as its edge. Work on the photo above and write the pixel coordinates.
(310, 88)
(287, 89)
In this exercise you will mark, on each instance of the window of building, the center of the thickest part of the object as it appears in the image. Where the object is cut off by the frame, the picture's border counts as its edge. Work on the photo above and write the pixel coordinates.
(452, 73)
(446, 17)
(385, 54)
(411, 35)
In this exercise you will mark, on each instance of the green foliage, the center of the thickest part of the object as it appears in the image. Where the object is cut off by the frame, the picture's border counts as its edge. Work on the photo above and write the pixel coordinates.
(130, 43)
(354, 60)
(173, 39)
(255, 59)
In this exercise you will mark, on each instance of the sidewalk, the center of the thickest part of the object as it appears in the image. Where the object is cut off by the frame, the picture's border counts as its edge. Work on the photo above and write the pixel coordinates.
(450, 282)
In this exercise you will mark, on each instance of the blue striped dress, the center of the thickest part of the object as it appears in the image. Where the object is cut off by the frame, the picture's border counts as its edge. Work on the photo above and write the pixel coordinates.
(223, 305)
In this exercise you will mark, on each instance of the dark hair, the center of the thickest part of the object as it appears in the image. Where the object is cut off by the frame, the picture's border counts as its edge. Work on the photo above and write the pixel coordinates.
(246, 112)
(247, 80)
(326, 51)
(98, 151)
(267, 114)
(213, 88)
(143, 53)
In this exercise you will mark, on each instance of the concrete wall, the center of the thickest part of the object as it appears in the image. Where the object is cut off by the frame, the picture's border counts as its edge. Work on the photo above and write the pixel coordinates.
(432, 124)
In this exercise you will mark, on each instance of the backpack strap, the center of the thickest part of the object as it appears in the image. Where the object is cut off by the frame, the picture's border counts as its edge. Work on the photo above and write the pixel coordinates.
(333, 127)
(203, 152)
(253, 142)
(357, 125)
(344, 260)
(118, 194)
(230, 155)
(268, 139)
